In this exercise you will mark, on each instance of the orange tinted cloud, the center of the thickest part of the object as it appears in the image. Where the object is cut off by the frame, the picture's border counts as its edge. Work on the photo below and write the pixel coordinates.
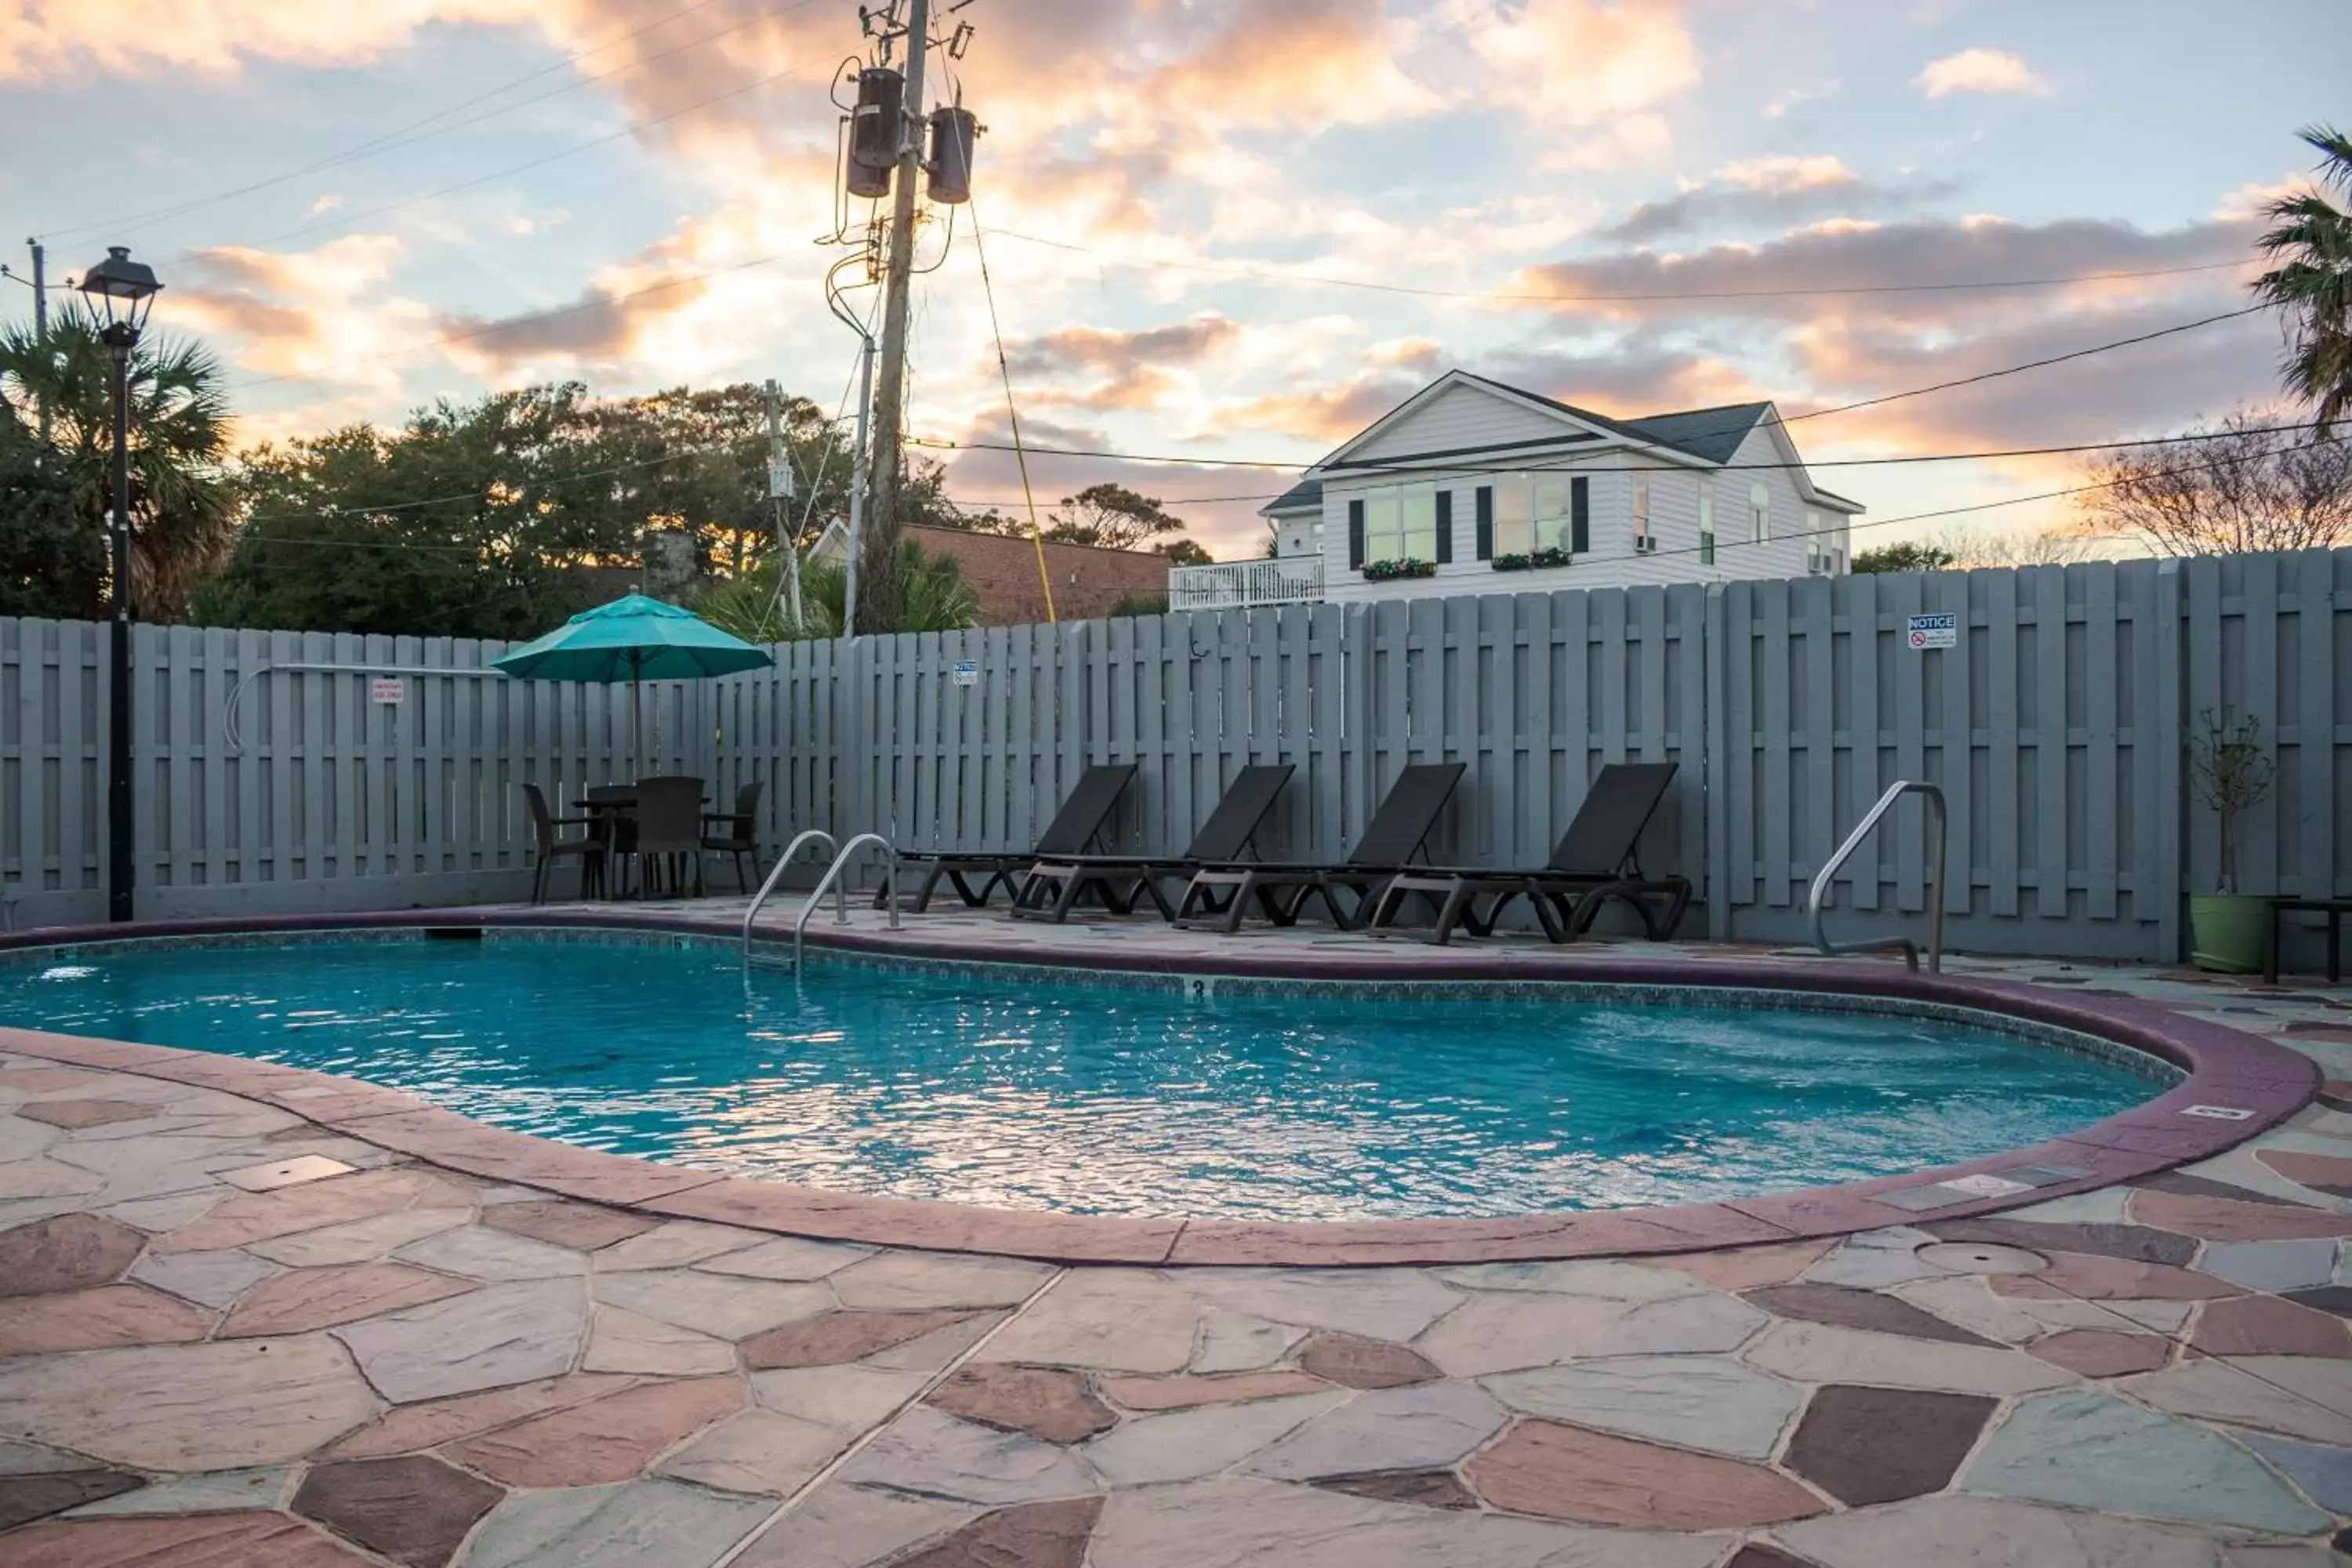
(135, 37)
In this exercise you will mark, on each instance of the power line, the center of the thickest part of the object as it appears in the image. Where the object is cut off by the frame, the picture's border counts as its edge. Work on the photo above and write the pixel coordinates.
(1726, 544)
(1509, 297)
(1724, 429)
(1503, 466)
(408, 134)
(574, 151)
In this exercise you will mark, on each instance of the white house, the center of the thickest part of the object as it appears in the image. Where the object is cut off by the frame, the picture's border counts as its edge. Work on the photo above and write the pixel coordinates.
(1469, 478)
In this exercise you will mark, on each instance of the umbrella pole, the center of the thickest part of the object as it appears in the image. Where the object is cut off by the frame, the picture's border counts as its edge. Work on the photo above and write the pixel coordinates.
(637, 712)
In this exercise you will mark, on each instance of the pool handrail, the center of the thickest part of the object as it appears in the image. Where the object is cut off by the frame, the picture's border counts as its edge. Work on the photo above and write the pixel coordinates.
(777, 875)
(832, 878)
(1817, 899)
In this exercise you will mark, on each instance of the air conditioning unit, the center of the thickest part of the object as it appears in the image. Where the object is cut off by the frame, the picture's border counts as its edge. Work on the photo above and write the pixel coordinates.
(1644, 543)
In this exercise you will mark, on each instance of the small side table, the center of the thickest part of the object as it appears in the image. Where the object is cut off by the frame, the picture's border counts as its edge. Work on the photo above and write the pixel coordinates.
(2337, 910)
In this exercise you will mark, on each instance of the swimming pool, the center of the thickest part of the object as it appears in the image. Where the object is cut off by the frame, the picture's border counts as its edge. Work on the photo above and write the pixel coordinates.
(1087, 1096)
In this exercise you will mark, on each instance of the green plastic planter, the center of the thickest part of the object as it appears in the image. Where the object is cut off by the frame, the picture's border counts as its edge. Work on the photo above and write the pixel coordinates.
(2227, 932)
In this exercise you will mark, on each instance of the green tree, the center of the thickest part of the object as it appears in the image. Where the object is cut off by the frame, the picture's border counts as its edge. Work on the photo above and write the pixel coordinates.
(182, 502)
(2311, 286)
(1112, 517)
(497, 518)
(1909, 557)
(52, 562)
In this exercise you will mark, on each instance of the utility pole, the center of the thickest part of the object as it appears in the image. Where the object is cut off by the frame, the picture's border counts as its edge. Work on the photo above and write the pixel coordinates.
(780, 492)
(41, 321)
(886, 517)
(857, 485)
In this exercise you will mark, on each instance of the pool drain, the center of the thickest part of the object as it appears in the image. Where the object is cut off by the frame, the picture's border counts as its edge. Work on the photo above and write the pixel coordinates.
(1980, 1257)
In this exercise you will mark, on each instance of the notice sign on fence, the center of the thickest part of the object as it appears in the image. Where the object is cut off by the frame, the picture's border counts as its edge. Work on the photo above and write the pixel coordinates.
(1932, 631)
(966, 672)
(388, 690)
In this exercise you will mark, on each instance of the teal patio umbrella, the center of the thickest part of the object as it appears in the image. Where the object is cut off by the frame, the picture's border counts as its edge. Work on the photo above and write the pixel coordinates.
(635, 639)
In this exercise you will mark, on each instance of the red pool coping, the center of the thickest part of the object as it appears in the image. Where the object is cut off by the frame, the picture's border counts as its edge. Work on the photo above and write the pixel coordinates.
(2226, 1067)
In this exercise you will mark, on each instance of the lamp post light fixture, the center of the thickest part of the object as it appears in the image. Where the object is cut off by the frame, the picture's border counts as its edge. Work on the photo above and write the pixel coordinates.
(121, 293)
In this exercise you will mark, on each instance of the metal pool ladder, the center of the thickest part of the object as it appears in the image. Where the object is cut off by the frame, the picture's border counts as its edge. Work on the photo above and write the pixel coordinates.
(769, 886)
(1816, 901)
(830, 879)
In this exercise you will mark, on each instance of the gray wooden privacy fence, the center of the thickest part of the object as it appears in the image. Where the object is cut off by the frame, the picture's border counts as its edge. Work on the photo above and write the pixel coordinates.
(2056, 727)
(334, 800)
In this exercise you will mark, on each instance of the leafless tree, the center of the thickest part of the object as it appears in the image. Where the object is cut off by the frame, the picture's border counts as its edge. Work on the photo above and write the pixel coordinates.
(2259, 481)
(1969, 548)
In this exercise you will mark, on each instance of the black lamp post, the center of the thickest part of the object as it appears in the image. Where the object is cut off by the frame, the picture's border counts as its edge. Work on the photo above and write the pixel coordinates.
(121, 293)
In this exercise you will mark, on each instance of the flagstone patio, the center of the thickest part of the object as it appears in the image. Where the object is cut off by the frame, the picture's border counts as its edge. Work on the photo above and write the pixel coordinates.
(258, 1329)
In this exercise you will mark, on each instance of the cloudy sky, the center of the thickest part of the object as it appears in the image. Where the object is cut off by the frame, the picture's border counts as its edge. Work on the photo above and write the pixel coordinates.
(1218, 229)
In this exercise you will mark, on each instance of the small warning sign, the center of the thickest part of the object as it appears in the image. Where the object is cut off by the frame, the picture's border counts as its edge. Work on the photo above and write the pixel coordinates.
(966, 672)
(1932, 631)
(387, 690)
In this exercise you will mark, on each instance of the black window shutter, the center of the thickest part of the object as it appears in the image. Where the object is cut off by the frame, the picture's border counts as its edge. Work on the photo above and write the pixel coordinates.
(1445, 527)
(1486, 522)
(1579, 515)
(1354, 535)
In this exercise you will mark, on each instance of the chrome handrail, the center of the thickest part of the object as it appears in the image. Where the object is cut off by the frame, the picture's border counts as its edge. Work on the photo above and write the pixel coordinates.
(832, 878)
(1819, 898)
(777, 875)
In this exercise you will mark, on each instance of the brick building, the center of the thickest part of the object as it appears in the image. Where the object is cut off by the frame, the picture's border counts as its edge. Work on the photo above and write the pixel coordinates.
(1002, 571)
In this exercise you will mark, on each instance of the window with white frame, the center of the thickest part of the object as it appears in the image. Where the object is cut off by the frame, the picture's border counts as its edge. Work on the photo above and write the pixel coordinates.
(1813, 555)
(1706, 521)
(1760, 514)
(1400, 523)
(1536, 511)
(1641, 540)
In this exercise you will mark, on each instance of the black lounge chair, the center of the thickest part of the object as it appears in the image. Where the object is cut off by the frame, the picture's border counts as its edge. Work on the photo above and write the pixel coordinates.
(1596, 860)
(1056, 883)
(1391, 842)
(1075, 829)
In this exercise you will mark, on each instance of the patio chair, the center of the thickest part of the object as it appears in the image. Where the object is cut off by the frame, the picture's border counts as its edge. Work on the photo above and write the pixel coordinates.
(737, 833)
(1076, 829)
(1389, 842)
(669, 833)
(1597, 860)
(550, 846)
(1055, 886)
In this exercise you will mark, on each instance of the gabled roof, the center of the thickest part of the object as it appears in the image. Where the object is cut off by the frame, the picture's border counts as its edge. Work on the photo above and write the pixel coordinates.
(1307, 495)
(1700, 436)
(1713, 434)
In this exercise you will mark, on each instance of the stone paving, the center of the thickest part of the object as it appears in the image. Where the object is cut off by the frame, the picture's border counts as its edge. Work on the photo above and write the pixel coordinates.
(234, 1336)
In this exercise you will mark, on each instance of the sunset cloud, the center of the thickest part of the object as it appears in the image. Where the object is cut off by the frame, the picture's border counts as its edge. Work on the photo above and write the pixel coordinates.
(1978, 70)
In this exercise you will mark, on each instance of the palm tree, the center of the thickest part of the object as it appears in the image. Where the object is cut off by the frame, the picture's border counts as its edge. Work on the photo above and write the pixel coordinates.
(182, 504)
(2311, 287)
(930, 595)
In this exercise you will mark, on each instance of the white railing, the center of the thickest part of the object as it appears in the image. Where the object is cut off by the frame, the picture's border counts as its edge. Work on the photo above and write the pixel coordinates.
(1241, 584)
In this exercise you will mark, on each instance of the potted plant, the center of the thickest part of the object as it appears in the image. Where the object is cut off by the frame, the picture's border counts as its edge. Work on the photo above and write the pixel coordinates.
(1390, 571)
(2231, 773)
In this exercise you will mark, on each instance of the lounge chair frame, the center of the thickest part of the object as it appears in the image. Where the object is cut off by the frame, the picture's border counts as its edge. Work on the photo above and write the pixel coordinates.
(1218, 898)
(1120, 882)
(1566, 896)
(1077, 829)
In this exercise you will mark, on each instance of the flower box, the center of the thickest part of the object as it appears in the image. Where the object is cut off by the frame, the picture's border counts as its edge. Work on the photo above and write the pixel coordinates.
(1390, 571)
(1533, 560)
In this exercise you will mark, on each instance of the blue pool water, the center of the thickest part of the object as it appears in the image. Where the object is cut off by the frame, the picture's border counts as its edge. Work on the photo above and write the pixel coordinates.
(1056, 1094)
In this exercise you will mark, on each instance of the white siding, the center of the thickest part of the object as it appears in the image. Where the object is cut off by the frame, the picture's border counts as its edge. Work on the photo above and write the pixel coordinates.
(1466, 415)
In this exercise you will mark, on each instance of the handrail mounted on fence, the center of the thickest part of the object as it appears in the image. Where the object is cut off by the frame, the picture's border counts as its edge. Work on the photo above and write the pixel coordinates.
(1817, 901)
